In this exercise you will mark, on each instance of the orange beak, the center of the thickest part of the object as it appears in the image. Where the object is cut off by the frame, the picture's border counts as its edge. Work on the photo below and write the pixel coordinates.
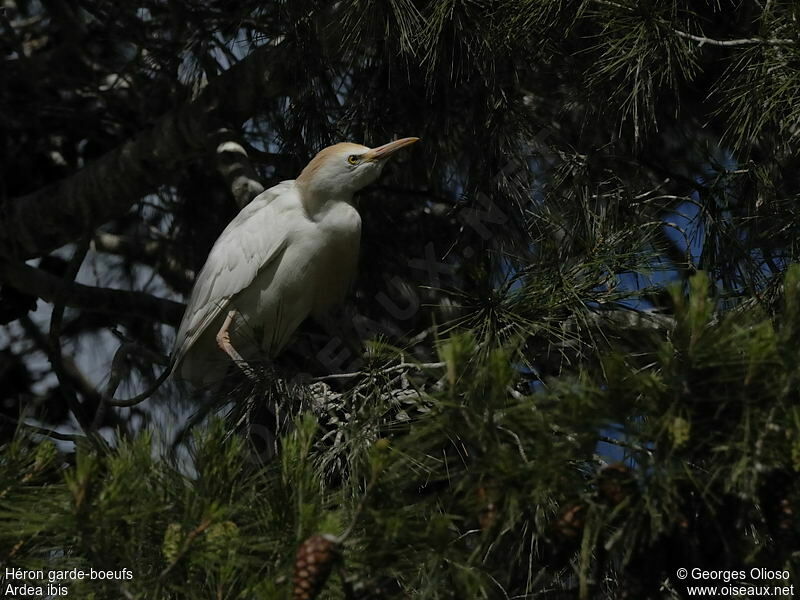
(385, 151)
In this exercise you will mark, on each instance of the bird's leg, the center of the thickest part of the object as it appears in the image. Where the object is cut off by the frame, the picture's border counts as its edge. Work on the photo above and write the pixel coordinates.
(224, 342)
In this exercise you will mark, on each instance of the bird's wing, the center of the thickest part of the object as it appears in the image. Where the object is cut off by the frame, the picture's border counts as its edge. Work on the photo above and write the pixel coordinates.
(252, 240)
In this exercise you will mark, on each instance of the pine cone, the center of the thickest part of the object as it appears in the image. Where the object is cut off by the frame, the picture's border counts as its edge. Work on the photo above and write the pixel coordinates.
(570, 522)
(312, 566)
(565, 533)
(488, 507)
(786, 515)
(616, 483)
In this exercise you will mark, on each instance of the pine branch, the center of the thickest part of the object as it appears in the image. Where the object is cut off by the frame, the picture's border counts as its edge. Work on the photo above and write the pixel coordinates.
(104, 300)
(153, 253)
(401, 367)
(78, 379)
(755, 41)
(52, 216)
(235, 167)
(54, 351)
(51, 433)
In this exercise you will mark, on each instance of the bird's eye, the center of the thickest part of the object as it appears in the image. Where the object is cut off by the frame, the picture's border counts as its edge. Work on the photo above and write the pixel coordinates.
(353, 159)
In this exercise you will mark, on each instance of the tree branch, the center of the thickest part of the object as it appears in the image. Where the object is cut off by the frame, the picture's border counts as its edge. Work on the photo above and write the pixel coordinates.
(740, 42)
(702, 40)
(235, 167)
(152, 253)
(63, 437)
(78, 379)
(52, 216)
(53, 344)
(104, 300)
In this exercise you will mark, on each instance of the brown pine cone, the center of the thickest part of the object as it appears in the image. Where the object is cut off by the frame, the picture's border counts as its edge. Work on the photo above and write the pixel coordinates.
(570, 522)
(488, 507)
(312, 566)
(615, 483)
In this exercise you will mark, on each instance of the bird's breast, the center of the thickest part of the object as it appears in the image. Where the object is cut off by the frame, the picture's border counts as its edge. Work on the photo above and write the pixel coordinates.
(336, 240)
(316, 268)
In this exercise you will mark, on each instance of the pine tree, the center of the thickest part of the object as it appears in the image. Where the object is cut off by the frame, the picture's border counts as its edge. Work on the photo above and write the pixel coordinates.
(567, 369)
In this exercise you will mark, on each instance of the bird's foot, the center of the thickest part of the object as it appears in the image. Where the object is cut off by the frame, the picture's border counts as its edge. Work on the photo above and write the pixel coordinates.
(224, 342)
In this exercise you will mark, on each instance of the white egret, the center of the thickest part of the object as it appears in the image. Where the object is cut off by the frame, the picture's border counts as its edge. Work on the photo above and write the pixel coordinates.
(290, 253)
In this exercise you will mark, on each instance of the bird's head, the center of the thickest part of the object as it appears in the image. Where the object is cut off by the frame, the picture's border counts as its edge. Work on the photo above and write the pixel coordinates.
(343, 169)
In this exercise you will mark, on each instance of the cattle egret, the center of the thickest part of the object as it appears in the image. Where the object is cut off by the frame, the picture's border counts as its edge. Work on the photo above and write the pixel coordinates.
(290, 253)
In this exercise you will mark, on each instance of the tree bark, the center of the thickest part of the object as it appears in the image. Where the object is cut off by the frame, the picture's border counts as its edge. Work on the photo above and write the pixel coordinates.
(153, 253)
(235, 167)
(104, 300)
(44, 220)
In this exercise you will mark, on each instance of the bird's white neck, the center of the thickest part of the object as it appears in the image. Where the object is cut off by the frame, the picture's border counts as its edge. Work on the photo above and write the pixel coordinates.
(317, 202)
